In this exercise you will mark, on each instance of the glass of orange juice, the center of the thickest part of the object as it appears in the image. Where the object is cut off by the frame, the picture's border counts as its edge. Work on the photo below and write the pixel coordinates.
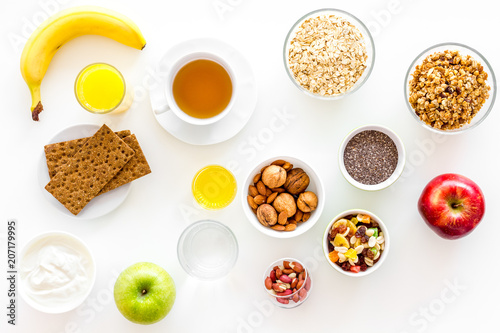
(100, 88)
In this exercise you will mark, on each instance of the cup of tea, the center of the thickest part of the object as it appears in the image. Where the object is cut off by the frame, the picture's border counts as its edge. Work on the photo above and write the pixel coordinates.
(200, 88)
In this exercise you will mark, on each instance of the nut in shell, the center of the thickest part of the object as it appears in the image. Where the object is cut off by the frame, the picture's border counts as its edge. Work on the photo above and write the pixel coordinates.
(285, 203)
(307, 201)
(267, 215)
(274, 176)
(296, 181)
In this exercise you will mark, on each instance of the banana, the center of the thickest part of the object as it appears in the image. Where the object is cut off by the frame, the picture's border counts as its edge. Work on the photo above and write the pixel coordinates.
(63, 27)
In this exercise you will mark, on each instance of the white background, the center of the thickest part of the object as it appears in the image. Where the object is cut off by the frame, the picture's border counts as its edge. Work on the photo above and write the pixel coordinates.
(146, 227)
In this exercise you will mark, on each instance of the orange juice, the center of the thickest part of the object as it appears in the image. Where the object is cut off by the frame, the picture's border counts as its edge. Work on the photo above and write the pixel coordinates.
(100, 88)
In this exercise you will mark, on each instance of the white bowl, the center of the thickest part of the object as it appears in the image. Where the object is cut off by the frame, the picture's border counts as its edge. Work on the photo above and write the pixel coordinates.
(368, 40)
(464, 50)
(76, 245)
(315, 186)
(401, 157)
(383, 254)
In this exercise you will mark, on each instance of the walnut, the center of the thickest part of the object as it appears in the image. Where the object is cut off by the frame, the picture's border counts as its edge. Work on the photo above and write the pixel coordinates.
(285, 203)
(273, 176)
(267, 215)
(307, 201)
(296, 181)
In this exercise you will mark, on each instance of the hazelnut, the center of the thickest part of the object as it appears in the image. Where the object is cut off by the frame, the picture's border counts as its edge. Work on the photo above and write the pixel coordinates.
(285, 203)
(267, 215)
(273, 176)
(307, 201)
(296, 181)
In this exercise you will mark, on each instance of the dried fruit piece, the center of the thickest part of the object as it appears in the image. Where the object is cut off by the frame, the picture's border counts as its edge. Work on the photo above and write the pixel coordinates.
(340, 241)
(333, 256)
(351, 254)
(290, 227)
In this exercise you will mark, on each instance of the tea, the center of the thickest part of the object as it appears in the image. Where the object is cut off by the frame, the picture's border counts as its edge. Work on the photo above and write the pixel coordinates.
(202, 88)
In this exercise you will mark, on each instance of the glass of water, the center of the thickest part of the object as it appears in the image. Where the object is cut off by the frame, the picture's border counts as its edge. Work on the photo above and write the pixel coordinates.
(207, 250)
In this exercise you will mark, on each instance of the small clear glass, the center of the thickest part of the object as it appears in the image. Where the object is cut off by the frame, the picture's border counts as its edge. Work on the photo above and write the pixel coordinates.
(294, 299)
(207, 250)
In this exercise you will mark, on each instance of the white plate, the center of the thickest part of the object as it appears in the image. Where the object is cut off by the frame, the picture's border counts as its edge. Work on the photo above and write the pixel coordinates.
(230, 125)
(98, 206)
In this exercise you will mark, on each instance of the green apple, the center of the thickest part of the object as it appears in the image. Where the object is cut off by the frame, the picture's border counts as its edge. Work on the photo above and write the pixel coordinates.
(144, 293)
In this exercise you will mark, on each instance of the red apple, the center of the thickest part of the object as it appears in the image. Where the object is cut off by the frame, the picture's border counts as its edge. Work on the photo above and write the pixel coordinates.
(452, 205)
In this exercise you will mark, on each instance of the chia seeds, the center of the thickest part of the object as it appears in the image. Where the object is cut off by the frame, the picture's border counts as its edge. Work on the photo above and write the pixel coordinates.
(370, 157)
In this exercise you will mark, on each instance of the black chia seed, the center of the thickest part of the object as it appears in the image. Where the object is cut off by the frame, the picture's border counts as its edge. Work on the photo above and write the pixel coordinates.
(370, 157)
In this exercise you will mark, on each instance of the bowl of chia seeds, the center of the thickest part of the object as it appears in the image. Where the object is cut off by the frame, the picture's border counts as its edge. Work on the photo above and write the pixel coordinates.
(372, 157)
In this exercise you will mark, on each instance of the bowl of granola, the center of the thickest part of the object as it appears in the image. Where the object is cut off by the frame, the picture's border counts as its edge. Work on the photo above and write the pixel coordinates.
(328, 54)
(356, 242)
(450, 88)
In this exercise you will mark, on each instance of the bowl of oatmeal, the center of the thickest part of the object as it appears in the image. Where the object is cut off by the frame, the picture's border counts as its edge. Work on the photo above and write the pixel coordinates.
(328, 54)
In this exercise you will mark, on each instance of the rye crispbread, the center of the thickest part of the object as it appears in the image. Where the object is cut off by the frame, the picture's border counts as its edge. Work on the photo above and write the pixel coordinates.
(101, 157)
(58, 154)
(135, 168)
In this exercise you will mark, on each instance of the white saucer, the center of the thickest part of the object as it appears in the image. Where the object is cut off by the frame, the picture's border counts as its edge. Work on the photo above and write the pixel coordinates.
(99, 206)
(232, 123)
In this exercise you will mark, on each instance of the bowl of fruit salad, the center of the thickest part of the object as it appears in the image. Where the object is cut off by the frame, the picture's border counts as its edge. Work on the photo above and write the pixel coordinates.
(356, 242)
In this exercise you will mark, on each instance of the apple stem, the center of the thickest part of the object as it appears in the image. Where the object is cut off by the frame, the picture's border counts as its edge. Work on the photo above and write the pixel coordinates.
(455, 205)
(144, 292)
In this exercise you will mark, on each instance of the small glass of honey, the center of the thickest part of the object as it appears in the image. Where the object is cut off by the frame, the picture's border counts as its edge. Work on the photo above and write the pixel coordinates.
(214, 187)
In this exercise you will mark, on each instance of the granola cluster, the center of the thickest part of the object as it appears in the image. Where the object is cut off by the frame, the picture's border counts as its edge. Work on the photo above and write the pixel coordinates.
(448, 89)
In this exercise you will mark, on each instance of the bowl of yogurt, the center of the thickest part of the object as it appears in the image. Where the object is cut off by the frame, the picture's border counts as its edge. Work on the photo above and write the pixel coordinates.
(57, 272)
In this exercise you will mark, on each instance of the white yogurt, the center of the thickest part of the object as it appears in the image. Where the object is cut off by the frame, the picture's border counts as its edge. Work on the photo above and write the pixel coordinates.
(57, 272)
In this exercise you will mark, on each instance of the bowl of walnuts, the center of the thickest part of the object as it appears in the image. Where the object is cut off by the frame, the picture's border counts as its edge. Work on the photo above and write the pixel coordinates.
(283, 197)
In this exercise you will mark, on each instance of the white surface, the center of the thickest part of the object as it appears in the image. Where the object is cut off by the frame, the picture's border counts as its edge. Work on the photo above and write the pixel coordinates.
(417, 280)
(98, 206)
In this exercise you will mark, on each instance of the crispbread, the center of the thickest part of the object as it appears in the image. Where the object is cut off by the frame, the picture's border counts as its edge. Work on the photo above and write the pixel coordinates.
(101, 157)
(135, 168)
(58, 154)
